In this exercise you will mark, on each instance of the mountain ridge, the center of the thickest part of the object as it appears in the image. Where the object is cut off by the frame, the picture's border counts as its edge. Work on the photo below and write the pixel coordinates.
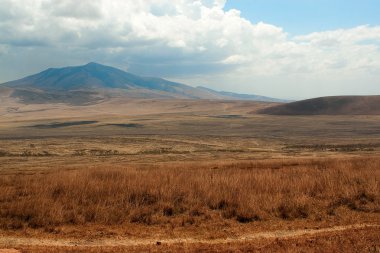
(95, 79)
(241, 96)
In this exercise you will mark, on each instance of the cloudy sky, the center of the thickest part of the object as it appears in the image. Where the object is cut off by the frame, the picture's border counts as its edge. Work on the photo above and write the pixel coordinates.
(280, 48)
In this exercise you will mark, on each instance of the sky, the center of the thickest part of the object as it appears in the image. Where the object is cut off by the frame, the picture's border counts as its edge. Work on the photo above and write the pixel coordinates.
(299, 17)
(290, 49)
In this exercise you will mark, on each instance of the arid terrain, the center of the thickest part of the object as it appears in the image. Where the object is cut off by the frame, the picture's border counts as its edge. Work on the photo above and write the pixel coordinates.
(189, 126)
(186, 175)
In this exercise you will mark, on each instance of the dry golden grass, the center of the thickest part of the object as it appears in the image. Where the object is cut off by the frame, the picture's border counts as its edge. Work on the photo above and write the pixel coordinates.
(187, 194)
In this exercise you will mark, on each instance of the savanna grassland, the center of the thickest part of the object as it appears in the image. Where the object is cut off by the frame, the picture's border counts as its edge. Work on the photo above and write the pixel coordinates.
(211, 177)
(180, 194)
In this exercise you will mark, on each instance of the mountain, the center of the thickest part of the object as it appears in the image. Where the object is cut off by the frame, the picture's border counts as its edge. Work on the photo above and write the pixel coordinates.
(94, 82)
(336, 105)
(237, 96)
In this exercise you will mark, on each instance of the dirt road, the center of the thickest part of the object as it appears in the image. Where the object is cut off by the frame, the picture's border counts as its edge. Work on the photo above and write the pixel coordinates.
(16, 242)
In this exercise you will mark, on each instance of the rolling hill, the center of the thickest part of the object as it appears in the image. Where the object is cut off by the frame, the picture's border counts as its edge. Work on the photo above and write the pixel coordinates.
(94, 82)
(335, 105)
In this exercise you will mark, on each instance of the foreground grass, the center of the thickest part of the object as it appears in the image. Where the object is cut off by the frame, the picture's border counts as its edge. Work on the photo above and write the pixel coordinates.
(242, 192)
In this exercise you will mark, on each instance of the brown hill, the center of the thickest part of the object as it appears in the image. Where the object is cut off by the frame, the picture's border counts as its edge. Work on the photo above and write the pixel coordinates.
(337, 105)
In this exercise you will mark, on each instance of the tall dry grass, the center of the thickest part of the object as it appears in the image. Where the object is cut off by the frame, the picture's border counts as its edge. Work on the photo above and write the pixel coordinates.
(245, 192)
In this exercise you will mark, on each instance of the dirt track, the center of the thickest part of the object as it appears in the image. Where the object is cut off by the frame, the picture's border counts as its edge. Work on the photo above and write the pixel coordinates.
(10, 242)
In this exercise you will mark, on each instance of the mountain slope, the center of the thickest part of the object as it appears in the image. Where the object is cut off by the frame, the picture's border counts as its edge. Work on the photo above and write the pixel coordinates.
(93, 76)
(93, 82)
(237, 96)
(336, 105)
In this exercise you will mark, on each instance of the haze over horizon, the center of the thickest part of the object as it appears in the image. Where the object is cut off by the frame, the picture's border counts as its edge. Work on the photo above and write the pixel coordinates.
(293, 49)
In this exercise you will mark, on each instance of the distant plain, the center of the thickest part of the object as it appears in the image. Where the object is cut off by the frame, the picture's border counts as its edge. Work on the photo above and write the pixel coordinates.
(203, 150)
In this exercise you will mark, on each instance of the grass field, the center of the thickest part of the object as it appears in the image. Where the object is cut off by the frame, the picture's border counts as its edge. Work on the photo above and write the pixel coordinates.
(180, 194)
(204, 177)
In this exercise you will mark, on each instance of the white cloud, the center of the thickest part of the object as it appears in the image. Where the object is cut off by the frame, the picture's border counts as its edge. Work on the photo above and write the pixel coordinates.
(192, 40)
